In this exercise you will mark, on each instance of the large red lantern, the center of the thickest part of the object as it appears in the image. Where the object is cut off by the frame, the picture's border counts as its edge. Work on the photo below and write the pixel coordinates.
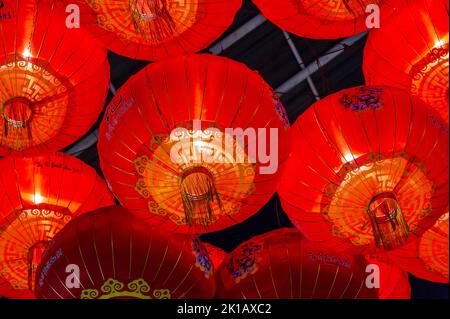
(117, 255)
(157, 29)
(393, 282)
(410, 51)
(216, 254)
(38, 196)
(282, 265)
(325, 19)
(167, 151)
(368, 171)
(53, 79)
(427, 257)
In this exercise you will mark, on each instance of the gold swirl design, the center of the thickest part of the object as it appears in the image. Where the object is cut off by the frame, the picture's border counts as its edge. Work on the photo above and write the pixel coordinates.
(136, 289)
(430, 79)
(345, 204)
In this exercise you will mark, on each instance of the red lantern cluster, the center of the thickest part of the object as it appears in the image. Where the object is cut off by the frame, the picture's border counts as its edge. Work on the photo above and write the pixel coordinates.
(116, 255)
(53, 80)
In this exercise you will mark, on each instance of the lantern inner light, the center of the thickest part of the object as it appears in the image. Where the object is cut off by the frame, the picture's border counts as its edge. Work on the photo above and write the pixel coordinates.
(17, 113)
(389, 225)
(198, 192)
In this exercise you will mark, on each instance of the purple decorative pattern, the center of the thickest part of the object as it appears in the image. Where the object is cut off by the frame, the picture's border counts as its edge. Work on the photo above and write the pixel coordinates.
(365, 97)
(245, 261)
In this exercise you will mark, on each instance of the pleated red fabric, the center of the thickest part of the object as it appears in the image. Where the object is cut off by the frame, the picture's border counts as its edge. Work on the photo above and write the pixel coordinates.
(53, 79)
(282, 265)
(38, 197)
(118, 256)
(157, 29)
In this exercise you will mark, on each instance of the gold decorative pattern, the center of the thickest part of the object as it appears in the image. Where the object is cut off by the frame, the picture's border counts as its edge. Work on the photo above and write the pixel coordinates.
(433, 247)
(27, 227)
(430, 78)
(136, 289)
(160, 178)
(335, 10)
(345, 203)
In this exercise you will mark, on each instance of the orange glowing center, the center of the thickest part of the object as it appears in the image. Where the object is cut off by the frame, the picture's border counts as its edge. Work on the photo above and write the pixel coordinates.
(23, 241)
(145, 21)
(33, 103)
(336, 10)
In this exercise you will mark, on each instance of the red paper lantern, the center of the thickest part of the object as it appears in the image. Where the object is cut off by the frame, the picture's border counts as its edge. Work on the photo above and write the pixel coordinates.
(427, 257)
(166, 148)
(53, 80)
(394, 283)
(120, 256)
(38, 196)
(324, 19)
(410, 51)
(282, 265)
(368, 171)
(157, 29)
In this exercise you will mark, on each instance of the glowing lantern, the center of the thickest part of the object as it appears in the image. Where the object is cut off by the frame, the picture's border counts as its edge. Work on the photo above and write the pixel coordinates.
(195, 142)
(53, 80)
(325, 19)
(410, 51)
(157, 29)
(216, 254)
(369, 169)
(120, 256)
(38, 196)
(282, 265)
(427, 257)
(393, 282)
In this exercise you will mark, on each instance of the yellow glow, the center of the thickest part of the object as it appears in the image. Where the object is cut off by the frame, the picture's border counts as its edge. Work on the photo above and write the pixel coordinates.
(26, 53)
(38, 199)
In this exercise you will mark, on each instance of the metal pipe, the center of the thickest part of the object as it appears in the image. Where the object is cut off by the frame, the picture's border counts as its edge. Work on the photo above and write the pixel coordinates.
(317, 64)
(300, 62)
(237, 35)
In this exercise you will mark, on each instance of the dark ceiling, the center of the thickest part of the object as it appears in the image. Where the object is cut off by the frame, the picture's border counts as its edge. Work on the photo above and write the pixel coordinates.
(266, 50)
